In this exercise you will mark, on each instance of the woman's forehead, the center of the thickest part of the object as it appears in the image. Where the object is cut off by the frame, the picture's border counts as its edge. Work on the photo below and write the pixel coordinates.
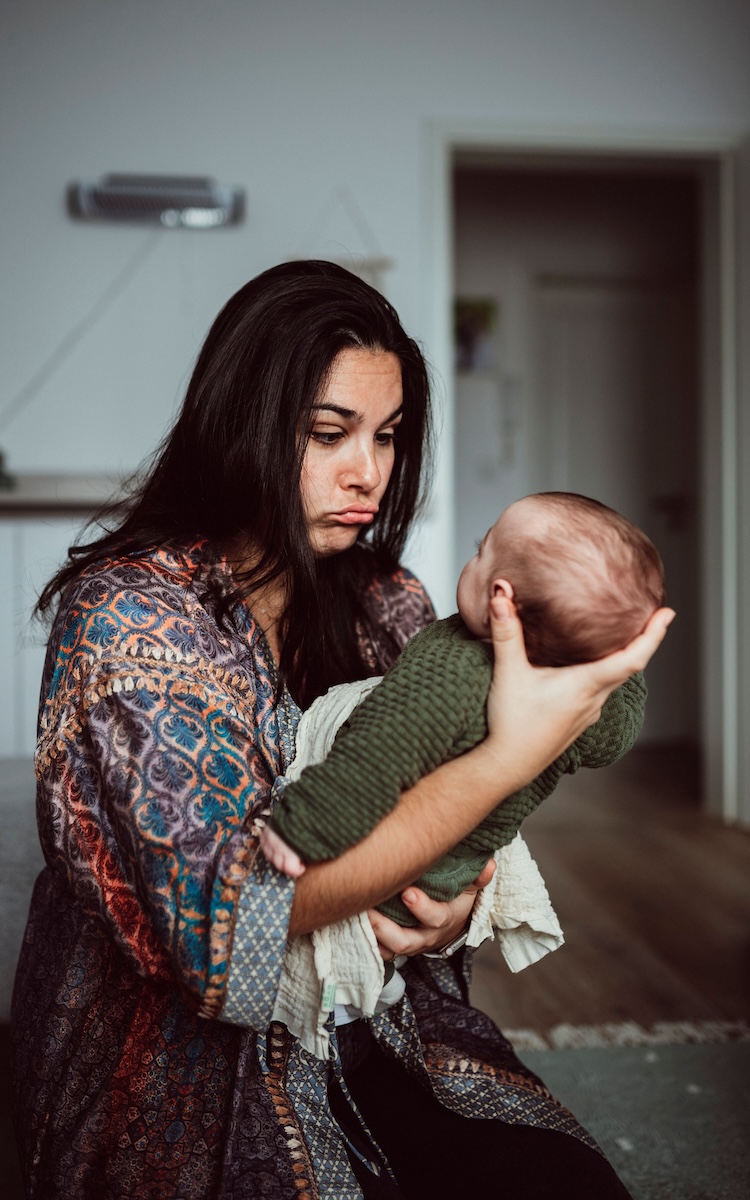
(360, 379)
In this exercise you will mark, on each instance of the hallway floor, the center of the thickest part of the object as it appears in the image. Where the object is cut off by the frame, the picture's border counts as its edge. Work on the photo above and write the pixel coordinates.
(654, 900)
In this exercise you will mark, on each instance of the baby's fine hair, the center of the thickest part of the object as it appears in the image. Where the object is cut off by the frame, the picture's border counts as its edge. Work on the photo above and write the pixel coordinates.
(585, 581)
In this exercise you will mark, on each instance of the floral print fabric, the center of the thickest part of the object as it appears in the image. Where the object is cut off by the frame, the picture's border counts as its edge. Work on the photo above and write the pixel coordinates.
(144, 1063)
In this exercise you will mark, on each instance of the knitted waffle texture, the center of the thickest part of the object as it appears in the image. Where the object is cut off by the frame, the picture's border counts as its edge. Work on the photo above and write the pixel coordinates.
(429, 708)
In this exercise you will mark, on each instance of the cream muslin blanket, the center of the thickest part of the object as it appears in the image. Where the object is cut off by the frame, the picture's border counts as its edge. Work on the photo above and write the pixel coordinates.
(340, 965)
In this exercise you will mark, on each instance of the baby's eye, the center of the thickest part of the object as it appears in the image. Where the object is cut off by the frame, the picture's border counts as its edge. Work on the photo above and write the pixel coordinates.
(478, 544)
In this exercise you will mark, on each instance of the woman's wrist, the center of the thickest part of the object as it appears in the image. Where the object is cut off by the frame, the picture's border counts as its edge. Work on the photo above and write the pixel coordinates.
(496, 773)
(452, 947)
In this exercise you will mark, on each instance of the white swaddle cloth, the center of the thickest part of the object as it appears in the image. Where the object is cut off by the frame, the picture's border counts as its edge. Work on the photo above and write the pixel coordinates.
(340, 965)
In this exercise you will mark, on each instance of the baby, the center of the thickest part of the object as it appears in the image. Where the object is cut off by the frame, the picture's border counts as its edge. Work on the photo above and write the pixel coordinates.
(584, 580)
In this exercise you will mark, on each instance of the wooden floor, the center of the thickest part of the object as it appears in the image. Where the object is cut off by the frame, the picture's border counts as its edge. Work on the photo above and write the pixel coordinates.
(653, 897)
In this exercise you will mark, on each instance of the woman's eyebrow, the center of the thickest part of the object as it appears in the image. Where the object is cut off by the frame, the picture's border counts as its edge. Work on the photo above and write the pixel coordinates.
(349, 414)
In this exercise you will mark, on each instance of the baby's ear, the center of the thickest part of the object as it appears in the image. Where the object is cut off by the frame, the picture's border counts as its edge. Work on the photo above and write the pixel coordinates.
(501, 586)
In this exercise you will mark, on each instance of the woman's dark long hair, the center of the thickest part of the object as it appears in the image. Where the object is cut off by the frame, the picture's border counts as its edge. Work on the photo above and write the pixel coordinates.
(230, 466)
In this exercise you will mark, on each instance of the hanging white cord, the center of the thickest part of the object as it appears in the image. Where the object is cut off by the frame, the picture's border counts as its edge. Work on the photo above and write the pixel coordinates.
(79, 331)
(359, 220)
(341, 196)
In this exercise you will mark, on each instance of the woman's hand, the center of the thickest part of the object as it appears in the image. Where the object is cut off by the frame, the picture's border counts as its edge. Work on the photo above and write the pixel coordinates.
(534, 713)
(440, 922)
(280, 854)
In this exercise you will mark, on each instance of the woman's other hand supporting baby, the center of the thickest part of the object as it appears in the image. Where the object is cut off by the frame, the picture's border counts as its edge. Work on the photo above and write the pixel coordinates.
(280, 855)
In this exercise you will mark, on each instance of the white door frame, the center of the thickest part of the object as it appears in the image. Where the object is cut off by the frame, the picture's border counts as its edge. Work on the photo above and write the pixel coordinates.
(722, 685)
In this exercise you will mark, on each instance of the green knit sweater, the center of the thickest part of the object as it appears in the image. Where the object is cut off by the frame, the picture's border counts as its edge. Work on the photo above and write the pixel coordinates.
(429, 708)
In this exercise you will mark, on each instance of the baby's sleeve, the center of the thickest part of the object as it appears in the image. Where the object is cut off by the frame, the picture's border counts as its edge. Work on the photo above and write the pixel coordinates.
(618, 726)
(598, 746)
(403, 730)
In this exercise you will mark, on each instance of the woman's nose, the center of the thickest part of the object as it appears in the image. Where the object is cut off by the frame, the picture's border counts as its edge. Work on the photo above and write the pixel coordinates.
(363, 471)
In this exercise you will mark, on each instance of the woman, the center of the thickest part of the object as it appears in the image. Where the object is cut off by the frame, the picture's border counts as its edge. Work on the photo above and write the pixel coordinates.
(256, 565)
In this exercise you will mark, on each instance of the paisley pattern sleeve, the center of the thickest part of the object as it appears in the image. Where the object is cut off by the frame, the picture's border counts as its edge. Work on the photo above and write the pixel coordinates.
(160, 735)
(398, 607)
(158, 747)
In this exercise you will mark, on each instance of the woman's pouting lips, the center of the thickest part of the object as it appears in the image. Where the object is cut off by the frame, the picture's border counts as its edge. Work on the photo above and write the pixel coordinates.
(354, 516)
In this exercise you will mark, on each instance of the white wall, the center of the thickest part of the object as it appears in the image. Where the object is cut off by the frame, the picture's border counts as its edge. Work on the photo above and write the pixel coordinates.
(31, 549)
(290, 100)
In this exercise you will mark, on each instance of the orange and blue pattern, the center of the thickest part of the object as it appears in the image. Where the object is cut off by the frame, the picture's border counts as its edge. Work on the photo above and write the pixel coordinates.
(156, 920)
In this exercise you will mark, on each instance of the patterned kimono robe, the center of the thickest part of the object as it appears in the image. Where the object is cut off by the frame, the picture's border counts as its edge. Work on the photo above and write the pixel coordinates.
(145, 1064)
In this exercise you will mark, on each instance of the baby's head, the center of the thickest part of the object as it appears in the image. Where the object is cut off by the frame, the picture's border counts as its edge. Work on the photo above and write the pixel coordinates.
(584, 579)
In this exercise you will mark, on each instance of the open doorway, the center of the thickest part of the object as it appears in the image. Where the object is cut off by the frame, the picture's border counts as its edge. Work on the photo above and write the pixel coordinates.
(578, 286)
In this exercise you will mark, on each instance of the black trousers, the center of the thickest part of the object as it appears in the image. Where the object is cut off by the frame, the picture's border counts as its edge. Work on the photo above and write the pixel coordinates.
(437, 1155)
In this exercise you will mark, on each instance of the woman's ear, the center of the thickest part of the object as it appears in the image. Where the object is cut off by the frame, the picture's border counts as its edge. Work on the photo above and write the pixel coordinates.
(502, 587)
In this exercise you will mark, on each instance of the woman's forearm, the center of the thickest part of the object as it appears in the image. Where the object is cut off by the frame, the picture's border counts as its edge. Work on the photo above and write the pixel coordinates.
(534, 713)
(431, 818)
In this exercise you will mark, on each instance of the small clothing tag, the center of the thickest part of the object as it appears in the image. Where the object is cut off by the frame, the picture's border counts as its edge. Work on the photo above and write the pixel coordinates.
(329, 996)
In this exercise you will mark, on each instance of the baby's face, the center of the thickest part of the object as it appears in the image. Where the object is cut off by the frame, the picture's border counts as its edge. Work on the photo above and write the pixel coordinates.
(476, 579)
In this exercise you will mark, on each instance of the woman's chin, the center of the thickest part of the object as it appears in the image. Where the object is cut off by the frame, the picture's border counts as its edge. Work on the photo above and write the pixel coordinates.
(333, 540)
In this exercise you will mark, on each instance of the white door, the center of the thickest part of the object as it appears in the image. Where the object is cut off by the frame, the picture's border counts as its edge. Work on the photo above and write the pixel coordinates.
(616, 420)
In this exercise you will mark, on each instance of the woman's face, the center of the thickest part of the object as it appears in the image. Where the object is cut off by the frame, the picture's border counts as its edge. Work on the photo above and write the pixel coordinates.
(350, 449)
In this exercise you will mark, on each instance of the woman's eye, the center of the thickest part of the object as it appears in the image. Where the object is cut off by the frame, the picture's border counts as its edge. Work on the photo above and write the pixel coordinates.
(386, 438)
(326, 437)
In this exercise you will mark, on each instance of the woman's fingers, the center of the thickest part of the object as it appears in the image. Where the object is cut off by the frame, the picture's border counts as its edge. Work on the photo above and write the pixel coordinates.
(280, 854)
(391, 937)
(618, 667)
(510, 651)
(440, 922)
(606, 674)
(483, 878)
(506, 628)
(532, 712)
(434, 914)
(539, 711)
